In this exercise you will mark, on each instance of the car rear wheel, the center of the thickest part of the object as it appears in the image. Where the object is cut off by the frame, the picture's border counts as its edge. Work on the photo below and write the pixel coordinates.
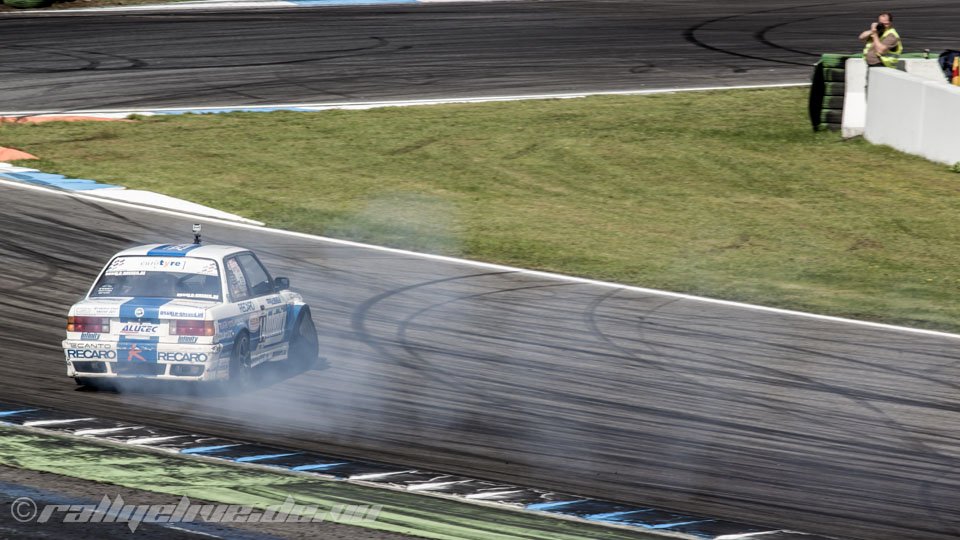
(241, 374)
(304, 344)
(93, 383)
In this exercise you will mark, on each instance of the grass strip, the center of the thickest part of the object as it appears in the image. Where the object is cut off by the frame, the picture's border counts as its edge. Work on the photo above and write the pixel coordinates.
(726, 194)
(406, 513)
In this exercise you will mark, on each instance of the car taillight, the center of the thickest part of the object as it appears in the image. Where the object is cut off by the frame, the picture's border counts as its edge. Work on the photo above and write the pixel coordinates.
(188, 327)
(98, 325)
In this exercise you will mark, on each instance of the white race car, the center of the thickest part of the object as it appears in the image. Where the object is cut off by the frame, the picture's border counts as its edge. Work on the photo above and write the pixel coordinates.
(186, 312)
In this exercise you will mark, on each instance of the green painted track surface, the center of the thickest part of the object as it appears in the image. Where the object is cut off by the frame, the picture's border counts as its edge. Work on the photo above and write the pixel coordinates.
(405, 513)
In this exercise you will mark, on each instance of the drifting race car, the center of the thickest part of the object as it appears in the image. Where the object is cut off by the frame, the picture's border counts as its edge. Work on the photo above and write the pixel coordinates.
(186, 312)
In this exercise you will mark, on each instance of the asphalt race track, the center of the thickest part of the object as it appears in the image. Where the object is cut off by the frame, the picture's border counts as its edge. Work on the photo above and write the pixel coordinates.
(135, 60)
(795, 422)
(732, 412)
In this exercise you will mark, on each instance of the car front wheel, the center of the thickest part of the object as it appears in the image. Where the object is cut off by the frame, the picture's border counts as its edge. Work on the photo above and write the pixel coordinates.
(304, 345)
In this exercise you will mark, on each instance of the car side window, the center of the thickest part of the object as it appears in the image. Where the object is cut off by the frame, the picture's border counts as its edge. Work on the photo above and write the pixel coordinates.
(257, 276)
(236, 282)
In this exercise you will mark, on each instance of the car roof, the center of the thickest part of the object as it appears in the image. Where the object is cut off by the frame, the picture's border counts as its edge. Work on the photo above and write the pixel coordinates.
(206, 251)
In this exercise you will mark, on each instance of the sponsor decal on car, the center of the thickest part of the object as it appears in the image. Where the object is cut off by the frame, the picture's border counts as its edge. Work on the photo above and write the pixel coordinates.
(90, 354)
(181, 357)
(134, 354)
(121, 265)
(82, 345)
(139, 329)
(96, 311)
(181, 313)
(202, 296)
(246, 307)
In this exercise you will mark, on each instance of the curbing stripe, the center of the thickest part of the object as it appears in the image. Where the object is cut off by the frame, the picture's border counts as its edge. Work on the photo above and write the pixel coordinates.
(293, 494)
(391, 477)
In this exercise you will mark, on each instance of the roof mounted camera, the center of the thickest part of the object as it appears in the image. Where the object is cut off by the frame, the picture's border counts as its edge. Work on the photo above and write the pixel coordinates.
(196, 233)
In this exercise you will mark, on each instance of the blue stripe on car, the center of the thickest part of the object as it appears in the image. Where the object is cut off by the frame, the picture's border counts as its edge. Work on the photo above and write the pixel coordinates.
(168, 250)
(150, 306)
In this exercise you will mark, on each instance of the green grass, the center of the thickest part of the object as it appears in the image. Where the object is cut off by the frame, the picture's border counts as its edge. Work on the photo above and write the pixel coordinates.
(727, 194)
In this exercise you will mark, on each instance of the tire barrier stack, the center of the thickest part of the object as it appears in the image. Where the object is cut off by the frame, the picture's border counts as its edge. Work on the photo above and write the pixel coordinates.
(826, 91)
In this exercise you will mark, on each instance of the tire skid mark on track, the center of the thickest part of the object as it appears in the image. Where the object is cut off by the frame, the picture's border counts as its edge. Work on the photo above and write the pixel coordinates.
(866, 401)
(581, 417)
(690, 34)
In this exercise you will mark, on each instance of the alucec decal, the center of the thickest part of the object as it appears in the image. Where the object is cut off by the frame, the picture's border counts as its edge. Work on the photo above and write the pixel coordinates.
(139, 329)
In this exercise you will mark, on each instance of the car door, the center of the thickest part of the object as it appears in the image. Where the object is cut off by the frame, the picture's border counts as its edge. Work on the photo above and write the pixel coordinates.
(273, 311)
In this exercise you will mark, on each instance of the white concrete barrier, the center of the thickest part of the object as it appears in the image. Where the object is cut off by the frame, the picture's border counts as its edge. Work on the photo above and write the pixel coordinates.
(941, 123)
(854, 97)
(925, 68)
(913, 114)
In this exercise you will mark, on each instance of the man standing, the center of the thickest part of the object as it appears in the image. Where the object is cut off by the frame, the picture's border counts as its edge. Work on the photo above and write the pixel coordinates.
(882, 46)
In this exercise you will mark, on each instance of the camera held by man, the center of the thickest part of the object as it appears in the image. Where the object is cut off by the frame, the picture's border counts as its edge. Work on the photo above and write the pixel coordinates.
(882, 45)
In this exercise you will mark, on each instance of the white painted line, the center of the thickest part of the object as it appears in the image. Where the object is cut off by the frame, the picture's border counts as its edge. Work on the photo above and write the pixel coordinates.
(37, 423)
(492, 494)
(147, 441)
(747, 536)
(234, 4)
(434, 485)
(8, 168)
(198, 533)
(101, 431)
(160, 200)
(503, 268)
(113, 113)
(372, 476)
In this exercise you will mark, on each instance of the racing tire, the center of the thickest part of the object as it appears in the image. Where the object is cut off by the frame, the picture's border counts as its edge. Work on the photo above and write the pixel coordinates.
(93, 384)
(304, 344)
(241, 374)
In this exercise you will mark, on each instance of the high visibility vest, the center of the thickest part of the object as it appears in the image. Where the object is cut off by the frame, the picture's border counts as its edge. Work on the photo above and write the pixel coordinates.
(893, 55)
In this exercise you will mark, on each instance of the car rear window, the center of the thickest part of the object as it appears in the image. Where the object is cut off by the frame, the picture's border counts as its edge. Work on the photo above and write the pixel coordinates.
(160, 277)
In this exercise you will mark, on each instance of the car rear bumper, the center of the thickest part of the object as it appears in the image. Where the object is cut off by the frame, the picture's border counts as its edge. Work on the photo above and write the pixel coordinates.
(162, 361)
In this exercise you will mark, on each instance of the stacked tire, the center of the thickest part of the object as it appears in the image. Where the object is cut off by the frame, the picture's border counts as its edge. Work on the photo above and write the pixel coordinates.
(826, 91)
